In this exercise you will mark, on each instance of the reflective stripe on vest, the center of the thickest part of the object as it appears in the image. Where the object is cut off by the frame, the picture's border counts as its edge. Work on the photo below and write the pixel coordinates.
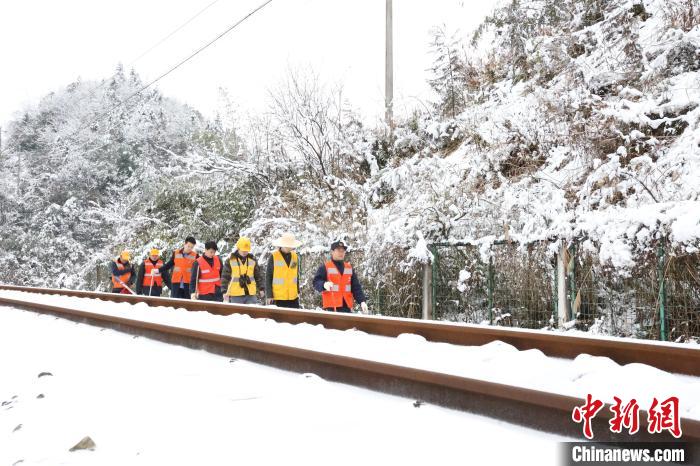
(124, 278)
(238, 269)
(340, 294)
(285, 278)
(182, 268)
(149, 279)
(209, 276)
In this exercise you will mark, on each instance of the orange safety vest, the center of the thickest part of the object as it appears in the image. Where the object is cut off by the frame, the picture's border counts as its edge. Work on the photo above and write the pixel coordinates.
(342, 288)
(125, 278)
(148, 278)
(183, 266)
(209, 277)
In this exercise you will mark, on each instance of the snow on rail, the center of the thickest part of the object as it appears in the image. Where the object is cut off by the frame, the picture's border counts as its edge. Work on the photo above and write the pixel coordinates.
(495, 362)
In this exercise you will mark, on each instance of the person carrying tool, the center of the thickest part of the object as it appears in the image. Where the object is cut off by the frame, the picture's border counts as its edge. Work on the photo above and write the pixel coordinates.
(242, 278)
(122, 273)
(181, 265)
(282, 274)
(205, 284)
(149, 279)
(338, 284)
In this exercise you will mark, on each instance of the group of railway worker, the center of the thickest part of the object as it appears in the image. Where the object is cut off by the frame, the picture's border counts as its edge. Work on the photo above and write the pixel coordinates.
(239, 279)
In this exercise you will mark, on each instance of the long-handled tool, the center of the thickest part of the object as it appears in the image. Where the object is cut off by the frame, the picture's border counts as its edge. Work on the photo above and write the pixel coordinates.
(125, 285)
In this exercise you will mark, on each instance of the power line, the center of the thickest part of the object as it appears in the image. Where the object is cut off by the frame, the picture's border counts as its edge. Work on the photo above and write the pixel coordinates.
(173, 33)
(154, 46)
(204, 47)
(179, 64)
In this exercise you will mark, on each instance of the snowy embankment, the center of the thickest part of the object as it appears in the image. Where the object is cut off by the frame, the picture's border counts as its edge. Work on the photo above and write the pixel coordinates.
(144, 402)
(495, 362)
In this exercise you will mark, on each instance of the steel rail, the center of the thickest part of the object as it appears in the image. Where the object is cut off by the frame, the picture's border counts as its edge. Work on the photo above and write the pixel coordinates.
(671, 357)
(536, 409)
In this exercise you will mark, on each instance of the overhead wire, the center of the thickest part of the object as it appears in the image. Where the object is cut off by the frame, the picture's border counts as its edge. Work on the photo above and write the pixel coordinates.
(166, 73)
(92, 92)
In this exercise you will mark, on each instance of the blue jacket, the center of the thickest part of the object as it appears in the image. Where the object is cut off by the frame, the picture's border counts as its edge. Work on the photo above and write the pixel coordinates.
(321, 277)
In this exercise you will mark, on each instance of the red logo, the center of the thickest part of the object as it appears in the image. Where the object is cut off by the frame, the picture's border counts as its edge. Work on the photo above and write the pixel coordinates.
(662, 416)
(586, 413)
(625, 417)
(665, 419)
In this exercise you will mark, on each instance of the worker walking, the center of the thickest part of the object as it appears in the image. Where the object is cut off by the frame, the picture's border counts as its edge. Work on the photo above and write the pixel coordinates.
(122, 273)
(338, 284)
(205, 283)
(149, 279)
(242, 278)
(181, 265)
(282, 274)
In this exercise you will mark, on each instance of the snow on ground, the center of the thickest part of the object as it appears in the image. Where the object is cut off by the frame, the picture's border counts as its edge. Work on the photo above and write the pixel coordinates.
(496, 361)
(145, 402)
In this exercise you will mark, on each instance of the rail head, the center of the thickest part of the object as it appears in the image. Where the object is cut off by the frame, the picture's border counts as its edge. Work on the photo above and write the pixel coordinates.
(671, 357)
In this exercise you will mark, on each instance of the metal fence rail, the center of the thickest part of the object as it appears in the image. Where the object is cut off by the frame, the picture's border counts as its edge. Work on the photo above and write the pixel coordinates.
(517, 286)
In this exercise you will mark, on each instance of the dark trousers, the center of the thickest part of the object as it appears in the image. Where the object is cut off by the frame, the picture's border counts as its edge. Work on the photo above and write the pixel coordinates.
(181, 293)
(291, 303)
(154, 290)
(337, 309)
(211, 297)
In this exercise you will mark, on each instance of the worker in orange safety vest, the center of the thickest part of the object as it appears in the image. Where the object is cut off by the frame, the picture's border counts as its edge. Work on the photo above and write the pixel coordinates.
(337, 282)
(205, 283)
(180, 266)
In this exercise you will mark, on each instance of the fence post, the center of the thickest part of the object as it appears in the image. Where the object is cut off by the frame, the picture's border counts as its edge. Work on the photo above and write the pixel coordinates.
(433, 279)
(572, 280)
(427, 290)
(563, 307)
(661, 271)
(490, 284)
(555, 307)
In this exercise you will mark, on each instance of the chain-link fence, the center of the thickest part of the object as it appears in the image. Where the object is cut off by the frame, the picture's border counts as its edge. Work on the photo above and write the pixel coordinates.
(511, 287)
(682, 297)
(608, 302)
(517, 286)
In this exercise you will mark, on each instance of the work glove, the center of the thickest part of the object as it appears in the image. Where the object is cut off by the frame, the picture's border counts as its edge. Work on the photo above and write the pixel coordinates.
(195, 296)
(226, 298)
(364, 308)
(269, 301)
(328, 286)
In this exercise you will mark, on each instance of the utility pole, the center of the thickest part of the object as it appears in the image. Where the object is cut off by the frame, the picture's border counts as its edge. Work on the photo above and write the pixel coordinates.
(389, 71)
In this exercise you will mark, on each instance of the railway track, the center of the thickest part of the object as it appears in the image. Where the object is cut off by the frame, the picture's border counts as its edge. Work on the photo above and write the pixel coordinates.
(532, 408)
(681, 359)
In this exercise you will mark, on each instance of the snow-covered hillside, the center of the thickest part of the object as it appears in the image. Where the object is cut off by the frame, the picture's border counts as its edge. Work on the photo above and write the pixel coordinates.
(576, 127)
(557, 120)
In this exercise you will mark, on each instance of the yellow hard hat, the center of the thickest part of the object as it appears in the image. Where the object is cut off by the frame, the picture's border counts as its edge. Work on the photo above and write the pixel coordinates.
(125, 256)
(243, 244)
(155, 252)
